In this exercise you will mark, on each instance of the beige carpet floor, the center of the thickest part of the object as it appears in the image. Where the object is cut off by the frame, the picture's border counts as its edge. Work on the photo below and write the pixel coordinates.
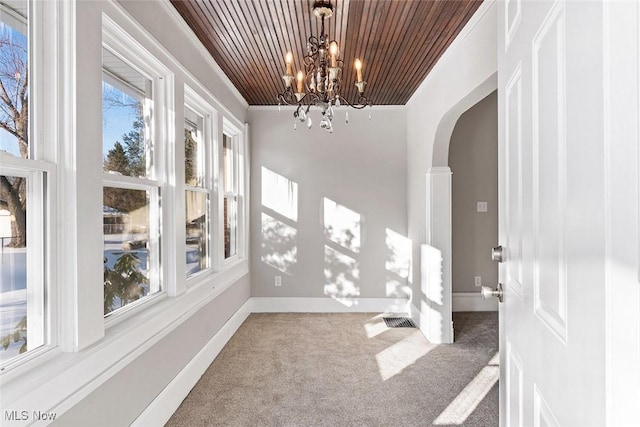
(348, 370)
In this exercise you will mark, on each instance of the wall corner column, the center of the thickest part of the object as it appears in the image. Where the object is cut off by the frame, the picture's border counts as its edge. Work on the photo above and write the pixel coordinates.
(436, 319)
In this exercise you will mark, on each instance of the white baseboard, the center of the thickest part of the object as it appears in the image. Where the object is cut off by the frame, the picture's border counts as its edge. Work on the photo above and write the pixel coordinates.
(473, 301)
(169, 399)
(328, 305)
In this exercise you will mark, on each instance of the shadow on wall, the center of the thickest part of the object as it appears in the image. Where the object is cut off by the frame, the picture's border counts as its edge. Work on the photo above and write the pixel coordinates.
(344, 242)
(432, 295)
(341, 268)
(279, 219)
(398, 265)
(279, 245)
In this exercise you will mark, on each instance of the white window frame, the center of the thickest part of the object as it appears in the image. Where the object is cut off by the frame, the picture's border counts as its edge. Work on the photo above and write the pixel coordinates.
(40, 170)
(41, 178)
(209, 116)
(80, 337)
(157, 128)
(240, 166)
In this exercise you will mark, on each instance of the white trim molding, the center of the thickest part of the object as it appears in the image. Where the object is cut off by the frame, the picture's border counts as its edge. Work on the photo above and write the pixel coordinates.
(328, 305)
(167, 402)
(472, 301)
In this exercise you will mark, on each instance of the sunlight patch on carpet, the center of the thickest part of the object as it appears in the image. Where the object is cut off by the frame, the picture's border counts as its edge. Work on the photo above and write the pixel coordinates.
(470, 397)
(375, 326)
(396, 358)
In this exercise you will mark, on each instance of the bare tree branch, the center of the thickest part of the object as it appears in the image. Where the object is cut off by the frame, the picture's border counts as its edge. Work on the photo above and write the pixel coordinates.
(23, 90)
(10, 130)
(5, 98)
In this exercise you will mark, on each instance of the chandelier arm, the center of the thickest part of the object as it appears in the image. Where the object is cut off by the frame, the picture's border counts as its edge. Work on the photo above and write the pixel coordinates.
(287, 97)
(362, 102)
(309, 99)
(312, 46)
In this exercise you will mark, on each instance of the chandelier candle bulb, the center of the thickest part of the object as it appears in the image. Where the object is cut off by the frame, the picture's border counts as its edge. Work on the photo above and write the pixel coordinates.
(300, 80)
(333, 51)
(358, 65)
(289, 60)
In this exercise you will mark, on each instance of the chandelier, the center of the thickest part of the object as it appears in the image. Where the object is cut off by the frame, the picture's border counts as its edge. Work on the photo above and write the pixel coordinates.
(320, 82)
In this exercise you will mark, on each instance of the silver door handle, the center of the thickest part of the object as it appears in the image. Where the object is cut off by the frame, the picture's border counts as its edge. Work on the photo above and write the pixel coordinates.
(497, 254)
(487, 292)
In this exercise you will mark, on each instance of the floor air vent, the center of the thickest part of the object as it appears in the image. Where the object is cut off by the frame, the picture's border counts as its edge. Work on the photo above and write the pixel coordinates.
(399, 322)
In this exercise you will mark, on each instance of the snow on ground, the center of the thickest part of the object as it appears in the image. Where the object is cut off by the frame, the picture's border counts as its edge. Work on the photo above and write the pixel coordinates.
(13, 279)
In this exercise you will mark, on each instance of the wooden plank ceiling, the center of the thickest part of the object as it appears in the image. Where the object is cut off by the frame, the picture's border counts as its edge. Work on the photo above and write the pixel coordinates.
(399, 41)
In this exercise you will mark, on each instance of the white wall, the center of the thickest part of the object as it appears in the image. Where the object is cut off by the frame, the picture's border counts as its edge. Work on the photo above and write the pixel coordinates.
(361, 166)
(464, 75)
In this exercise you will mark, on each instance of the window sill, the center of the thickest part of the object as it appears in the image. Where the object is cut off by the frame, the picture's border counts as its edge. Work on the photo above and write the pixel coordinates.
(58, 382)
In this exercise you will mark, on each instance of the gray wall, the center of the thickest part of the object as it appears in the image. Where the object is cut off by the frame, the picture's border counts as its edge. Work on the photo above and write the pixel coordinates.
(362, 168)
(473, 159)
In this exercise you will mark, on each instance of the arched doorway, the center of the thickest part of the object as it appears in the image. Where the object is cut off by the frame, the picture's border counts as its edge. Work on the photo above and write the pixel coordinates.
(439, 326)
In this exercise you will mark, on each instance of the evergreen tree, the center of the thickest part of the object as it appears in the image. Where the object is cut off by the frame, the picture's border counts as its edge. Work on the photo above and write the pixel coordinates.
(117, 160)
(134, 145)
(190, 147)
(130, 160)
(124, 282)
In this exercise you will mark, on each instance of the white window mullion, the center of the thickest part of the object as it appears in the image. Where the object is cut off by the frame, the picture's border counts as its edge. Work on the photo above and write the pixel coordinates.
(243, 192)
(154, 258)
(219, 194)
(35, 260)
(165, 144)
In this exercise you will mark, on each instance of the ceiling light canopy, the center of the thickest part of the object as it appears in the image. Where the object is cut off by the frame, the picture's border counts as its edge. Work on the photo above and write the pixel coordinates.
(319, 83)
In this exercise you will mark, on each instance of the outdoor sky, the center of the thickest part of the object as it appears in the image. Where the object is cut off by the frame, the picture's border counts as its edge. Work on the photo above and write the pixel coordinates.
(8, 141)
(117, 120)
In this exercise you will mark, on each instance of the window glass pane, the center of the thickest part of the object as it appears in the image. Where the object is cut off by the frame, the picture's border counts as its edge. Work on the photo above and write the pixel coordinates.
(194, 167)
(127, 255)
(126, 104)
(230, 229)
(14, 273)
(228, 163)
(14, 76)
(196, 227)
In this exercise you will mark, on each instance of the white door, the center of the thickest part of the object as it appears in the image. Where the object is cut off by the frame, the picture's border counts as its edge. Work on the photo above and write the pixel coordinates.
(552, 215)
